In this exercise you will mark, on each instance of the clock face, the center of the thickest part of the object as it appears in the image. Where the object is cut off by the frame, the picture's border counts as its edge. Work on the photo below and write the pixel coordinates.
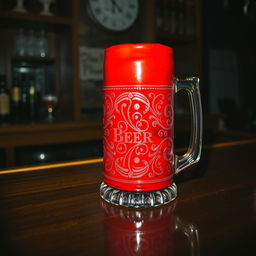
(115, 15)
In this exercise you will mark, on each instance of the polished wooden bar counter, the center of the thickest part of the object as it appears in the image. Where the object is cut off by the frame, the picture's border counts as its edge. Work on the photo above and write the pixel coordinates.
(57, 210)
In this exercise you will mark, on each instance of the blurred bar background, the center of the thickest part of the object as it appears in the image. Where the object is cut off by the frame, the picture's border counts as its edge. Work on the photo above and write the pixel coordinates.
(51, 83)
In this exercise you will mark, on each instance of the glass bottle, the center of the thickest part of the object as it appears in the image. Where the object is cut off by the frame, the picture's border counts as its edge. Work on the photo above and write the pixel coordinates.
(20, 43)
(190, 17)
(181, 17)
(31, 43)
(166, 16)
(173, 17)
(16, 100)
(32, 100)
(24, 99)
(4, 101)
(42, 45)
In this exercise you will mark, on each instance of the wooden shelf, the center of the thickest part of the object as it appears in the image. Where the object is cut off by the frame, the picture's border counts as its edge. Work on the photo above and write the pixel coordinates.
(37, 18)
(33, 59)
(40, 127)
(14, 136)
(48, 133)
(175, 39)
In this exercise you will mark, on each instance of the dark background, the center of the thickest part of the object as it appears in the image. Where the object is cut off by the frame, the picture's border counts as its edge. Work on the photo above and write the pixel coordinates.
(226, 66)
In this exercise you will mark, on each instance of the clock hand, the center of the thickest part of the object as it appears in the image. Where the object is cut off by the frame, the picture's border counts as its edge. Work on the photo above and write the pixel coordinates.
(117, 6)
(113, 9)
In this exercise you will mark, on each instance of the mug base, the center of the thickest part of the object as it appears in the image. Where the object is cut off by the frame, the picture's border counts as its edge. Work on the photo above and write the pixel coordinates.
(138, 199)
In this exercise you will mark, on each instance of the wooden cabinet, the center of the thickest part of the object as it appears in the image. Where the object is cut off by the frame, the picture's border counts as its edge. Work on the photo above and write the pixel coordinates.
(60, 67)
(178, 24)
(62, 62)
(60, 74)
(22, 136)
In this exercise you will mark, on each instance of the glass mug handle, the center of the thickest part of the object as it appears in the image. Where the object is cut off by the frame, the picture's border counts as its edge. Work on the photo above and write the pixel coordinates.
(191, 86)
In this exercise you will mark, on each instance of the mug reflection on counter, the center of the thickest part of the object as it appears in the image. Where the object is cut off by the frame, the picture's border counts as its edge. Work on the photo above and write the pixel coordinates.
(147, 231)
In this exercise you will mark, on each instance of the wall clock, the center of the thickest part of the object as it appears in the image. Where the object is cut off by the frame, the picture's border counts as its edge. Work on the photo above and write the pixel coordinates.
(114, 15)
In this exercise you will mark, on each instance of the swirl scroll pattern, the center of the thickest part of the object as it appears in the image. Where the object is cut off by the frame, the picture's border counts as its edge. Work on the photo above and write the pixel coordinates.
(138, 134)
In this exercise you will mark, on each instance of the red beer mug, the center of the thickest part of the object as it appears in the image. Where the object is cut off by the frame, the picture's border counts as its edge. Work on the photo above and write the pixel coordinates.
(139, 162)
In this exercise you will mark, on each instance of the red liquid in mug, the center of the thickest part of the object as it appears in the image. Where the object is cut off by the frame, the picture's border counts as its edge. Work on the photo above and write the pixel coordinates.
(138, 117)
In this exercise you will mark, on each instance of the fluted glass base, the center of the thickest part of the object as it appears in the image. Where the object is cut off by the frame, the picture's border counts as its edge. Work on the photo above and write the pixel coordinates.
(141, 199)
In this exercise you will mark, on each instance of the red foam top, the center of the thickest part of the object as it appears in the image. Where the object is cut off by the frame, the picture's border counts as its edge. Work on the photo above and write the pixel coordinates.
(138, 64)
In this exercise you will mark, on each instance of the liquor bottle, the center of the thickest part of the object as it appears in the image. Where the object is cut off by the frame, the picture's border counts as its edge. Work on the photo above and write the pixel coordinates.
(4, 101)
(32, 100)
(181, 17)
(24, 99)
(173, 17)
(190, 18)
(16, 100)
(166, 16)
(159, 15)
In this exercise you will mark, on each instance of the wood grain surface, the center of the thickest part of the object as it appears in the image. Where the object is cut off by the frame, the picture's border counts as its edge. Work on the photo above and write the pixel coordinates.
(58, 211)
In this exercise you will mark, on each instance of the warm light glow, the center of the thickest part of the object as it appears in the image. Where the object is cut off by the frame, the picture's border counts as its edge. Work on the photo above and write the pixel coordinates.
(51, 166)
(100, 160)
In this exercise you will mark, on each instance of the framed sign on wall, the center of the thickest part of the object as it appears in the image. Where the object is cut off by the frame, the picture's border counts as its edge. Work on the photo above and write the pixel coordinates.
(91, 63)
